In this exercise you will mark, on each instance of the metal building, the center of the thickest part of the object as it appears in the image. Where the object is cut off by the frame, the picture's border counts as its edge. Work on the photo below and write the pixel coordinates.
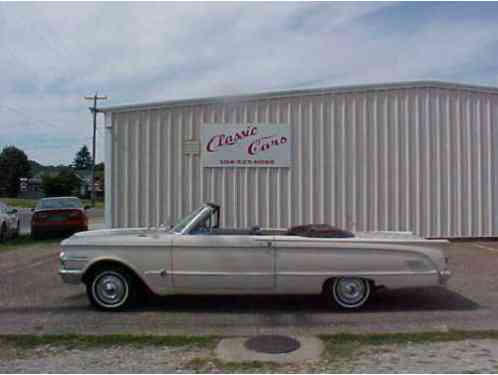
(415, 156)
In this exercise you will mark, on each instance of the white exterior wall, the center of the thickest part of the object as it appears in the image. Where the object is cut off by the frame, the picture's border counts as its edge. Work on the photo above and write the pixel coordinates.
(419, 157)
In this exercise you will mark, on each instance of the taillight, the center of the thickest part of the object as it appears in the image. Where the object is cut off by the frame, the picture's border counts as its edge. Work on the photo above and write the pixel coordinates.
(38, 216)
(74, 214)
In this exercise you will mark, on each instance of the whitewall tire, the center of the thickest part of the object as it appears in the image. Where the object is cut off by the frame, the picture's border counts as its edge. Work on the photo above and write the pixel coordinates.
(111, 289)
(350, 292)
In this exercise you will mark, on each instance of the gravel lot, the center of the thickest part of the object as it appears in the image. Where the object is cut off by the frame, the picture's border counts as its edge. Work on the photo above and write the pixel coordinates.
(449, 357)
(34, 300)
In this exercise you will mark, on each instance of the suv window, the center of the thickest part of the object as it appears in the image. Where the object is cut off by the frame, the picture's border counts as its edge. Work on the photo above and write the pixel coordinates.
(3, 208)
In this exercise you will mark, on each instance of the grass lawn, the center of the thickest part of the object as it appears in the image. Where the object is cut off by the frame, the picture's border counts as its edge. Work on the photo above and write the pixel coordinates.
(89, 341)
(24, 240)
(31, 203)
(339, 351)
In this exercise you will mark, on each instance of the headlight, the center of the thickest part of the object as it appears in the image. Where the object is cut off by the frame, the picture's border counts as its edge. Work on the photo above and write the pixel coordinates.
(61, 258)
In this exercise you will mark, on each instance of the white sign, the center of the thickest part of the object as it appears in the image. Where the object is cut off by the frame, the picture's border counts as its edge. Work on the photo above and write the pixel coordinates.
(245, 145)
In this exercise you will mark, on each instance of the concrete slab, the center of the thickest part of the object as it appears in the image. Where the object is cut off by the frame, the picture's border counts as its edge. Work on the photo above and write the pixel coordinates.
(233, 350)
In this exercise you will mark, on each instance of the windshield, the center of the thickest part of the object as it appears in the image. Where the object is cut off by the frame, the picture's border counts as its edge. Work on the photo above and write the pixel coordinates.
(56, 203)
(181, 224)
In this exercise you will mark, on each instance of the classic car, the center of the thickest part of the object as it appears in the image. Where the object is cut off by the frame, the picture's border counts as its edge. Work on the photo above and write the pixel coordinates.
(196, 256)
(9, 222)
(59, 215)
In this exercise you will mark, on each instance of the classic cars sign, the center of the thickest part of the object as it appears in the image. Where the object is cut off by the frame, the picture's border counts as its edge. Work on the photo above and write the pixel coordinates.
(245, 145)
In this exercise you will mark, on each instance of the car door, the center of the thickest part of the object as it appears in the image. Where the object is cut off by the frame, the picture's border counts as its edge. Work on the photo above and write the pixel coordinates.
(207, 262)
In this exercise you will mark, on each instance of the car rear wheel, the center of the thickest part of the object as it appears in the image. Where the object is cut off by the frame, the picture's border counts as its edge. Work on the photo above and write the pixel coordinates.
(111, 289)
(349, 292)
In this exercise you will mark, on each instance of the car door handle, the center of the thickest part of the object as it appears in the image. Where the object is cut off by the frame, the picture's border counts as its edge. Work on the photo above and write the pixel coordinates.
(162, 272)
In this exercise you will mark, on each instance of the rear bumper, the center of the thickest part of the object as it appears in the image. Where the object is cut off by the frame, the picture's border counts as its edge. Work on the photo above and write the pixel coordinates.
(71, 276)
(60, 228)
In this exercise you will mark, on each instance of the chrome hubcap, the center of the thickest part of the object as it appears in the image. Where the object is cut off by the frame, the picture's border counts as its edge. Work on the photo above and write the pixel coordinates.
(111, 289)
(351, 291)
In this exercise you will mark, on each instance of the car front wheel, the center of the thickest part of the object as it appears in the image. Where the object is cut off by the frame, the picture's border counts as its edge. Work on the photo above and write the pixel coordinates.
(111, 289)
(350, 292)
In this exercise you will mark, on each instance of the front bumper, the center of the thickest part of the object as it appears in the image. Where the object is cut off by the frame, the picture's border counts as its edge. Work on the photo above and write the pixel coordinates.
(444, 276)
(71, 276)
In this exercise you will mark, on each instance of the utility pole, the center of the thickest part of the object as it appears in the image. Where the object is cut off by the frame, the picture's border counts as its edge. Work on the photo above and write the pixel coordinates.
(94, 111)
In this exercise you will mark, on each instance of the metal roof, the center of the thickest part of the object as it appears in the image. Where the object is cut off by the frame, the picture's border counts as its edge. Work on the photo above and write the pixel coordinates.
(301, 92)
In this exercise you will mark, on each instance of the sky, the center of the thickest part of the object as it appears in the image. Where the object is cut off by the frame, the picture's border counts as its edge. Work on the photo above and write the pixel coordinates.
(54, 54)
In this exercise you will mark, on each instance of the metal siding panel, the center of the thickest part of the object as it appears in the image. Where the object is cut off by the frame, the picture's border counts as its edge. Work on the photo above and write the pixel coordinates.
(494, 159)
(108, 139)
(145, 165)
(488, 157)
(126, 200)
(445, 167)
(419, 159)
(364, 185)
(351, 194)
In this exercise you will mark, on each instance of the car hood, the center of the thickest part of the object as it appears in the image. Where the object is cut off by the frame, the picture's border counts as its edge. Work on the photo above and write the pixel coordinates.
(119, 236)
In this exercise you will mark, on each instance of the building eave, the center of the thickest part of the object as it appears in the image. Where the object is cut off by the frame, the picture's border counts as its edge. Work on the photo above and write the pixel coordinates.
(301, 92)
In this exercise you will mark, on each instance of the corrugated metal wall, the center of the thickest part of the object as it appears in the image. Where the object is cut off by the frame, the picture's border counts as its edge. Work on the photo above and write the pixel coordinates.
(417, 159)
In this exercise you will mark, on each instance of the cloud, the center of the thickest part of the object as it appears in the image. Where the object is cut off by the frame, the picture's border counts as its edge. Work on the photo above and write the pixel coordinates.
(54, 54)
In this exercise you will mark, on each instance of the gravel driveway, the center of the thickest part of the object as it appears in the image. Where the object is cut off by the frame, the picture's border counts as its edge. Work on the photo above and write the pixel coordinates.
(34, 300)
(473, 356)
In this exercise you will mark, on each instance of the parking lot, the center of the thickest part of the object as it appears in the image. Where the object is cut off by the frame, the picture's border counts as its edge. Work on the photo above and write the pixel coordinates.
(33, 299)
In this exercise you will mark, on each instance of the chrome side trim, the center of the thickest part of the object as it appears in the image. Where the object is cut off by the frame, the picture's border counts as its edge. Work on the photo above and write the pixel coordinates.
(358, 273)
(314, 273)
(200, 273)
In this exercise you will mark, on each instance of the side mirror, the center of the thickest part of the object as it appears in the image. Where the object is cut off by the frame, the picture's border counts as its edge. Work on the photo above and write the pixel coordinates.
(13, 211)
(87, 207)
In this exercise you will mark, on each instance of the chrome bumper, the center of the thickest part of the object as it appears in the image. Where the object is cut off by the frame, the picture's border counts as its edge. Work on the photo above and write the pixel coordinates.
(70, 276)
(444, 276)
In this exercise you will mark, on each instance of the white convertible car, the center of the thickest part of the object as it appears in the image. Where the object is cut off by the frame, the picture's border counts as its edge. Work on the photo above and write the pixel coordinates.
(196, 256)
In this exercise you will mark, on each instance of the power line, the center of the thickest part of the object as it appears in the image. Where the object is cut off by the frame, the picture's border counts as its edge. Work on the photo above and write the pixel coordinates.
(94, 111)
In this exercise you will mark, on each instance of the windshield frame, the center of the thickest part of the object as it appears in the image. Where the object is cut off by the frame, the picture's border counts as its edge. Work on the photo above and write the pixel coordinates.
(186, 224)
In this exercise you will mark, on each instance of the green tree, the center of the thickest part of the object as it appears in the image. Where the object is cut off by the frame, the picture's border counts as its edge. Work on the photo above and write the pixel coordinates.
(83, 159)
(65, 183)
(14, 164)
(100, 174)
